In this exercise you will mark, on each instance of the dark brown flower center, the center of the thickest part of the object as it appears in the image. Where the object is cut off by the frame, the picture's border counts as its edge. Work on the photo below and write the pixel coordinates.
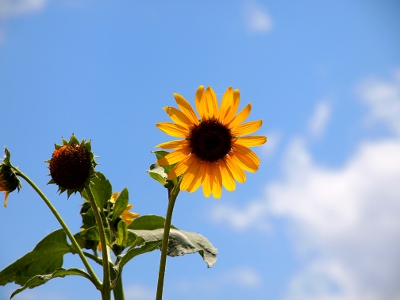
(210, 140)
(70, 166)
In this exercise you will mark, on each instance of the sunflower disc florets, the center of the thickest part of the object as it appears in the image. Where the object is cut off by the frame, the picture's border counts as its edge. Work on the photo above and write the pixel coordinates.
(72, 165)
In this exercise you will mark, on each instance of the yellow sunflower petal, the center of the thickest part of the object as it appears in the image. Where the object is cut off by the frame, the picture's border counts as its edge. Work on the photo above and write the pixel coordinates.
(246, 151)
(217, 181)
(211, 103)
(233, 107)
(198, 177)
(226, 104)
(174, 144)
(173, 129)
(200, 103)
(186, 108)
(206, 179)
(246, 128)
(246, 162)
(235, 169)
(227, 177)
(191, 173)
(178, 117)
(114, 196)
(181, 167)
(240, 117)
(174, 157)
(251, 141)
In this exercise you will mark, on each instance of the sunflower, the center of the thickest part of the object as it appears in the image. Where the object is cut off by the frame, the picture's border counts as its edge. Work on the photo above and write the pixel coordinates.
(8, 177)
(214, 150)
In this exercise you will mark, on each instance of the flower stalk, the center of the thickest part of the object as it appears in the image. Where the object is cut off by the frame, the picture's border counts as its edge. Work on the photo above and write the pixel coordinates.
(172, 195)
(67, 231)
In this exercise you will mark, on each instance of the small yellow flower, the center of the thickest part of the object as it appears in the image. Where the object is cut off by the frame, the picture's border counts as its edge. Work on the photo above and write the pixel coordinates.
(213, 151)
(127, 216)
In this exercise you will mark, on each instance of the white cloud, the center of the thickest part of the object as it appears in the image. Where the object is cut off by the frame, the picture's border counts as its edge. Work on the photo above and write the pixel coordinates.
(257, 18)
(9, 8)
(384, 100)
(319, 119)
(269, 148)
(348, 217)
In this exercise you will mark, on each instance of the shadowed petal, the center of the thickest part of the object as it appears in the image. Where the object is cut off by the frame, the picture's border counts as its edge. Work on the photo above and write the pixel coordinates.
(186, 108)
(173, 129)
(246, 128)
(251, 141)
(174, 157)
(241, 116)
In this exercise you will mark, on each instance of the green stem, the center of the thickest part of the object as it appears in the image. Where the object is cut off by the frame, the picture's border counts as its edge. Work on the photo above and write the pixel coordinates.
(106, 289)
(172, 194)
(118, 290)
(68, 232)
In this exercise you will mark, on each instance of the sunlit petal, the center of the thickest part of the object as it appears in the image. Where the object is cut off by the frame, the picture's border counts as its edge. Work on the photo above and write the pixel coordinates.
(235, 169)
(227, 177)
(211, 103)
(173, 129)
(198, 178)
(174, 157)
(191, 173)
(181, 167)
(178, 117)
(234, 107)
(246, 162)
(217, 181)
(246, 151)
(251, 141)
(206, 180)
(246, 128)
(174, 144)
(201, 103)
(186, 108)
(226, 104)
(241, 116)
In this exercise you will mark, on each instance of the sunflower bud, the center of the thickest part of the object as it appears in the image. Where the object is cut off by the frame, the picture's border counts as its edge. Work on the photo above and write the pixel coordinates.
(72, 165)
(8, 178)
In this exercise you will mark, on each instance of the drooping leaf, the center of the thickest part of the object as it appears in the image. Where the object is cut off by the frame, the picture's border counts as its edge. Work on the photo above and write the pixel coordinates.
(101, 189)
(158, 173)
(181, 242)
(45, 258)
(123, 259)
(42, 279)
(120, 203)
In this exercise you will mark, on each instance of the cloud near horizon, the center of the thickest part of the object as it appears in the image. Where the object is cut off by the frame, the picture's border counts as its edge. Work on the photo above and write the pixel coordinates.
(348, 217)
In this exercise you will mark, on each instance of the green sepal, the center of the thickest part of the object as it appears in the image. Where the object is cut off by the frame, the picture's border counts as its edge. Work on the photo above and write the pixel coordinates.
(42, 279)
(45, 258)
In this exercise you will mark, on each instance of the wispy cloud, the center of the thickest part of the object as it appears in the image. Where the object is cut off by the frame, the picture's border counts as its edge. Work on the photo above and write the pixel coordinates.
(138, 292)
(319, 119)
(349, 216)
(14, 8)
(257, 18)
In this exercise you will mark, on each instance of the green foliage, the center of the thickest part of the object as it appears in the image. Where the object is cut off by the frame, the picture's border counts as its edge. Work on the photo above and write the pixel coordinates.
(44, 259)
(101, 189)
(120, 203)
(160, 173)
(42, 279)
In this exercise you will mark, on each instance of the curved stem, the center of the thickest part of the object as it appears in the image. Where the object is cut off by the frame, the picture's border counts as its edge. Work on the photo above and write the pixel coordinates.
(68, 232)
(172, 194)
(106, 289)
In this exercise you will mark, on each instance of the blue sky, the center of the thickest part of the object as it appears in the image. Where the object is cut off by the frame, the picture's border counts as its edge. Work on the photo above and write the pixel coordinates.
(319, 220)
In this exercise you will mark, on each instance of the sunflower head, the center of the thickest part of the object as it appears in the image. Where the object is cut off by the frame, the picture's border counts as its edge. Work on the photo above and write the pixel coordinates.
(214, 147)
(72, 165)
(8, 177)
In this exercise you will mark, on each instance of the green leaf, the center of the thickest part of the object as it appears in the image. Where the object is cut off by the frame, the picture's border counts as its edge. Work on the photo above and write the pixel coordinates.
(123, 259)
(42, 279)
(158, 173)
(122, 234)
(45, 258)
(120, 203)
(148, 222)
(101, 189)
(181, 242)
